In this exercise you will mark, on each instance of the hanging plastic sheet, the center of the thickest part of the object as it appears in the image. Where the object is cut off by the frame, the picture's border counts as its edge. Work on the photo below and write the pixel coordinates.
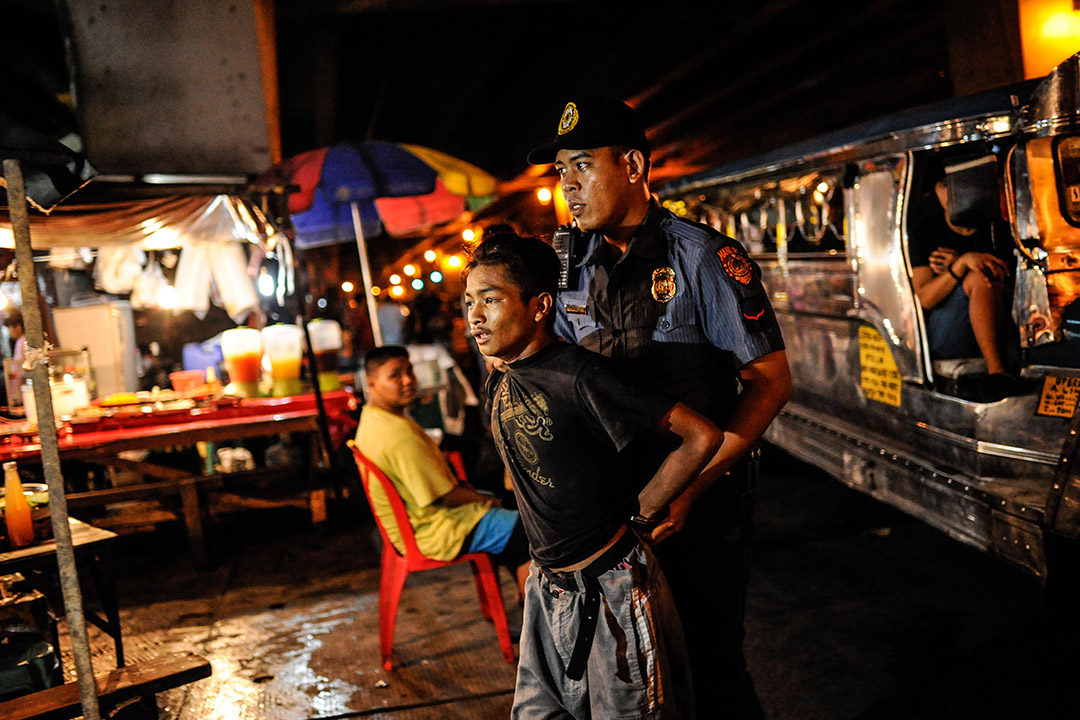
(217, 265)
(154, 224)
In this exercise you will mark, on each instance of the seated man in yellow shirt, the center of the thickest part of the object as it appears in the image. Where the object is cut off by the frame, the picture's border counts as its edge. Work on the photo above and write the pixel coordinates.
(448, 517)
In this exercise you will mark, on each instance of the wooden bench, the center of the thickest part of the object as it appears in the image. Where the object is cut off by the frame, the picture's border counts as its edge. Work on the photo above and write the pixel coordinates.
(140, 681)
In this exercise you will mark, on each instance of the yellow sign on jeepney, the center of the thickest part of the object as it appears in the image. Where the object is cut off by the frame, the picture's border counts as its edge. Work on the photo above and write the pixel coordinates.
(1058, 396)
(880, 377)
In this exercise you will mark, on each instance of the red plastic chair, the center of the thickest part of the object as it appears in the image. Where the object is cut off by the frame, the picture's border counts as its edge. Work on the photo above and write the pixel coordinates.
(396, 568)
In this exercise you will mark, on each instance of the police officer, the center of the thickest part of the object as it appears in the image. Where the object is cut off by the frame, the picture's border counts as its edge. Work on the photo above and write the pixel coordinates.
(682, 307)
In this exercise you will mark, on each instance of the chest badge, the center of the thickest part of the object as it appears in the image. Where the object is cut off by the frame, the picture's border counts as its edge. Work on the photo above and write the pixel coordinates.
(736, 264)
(663, 284)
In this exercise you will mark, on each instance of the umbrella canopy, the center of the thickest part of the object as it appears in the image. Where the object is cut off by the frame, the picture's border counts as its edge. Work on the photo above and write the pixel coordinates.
(396, 188)
(357, 190)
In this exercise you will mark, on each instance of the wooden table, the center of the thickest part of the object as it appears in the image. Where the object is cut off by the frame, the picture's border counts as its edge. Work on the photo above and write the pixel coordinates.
(92, 546)
(249, 419)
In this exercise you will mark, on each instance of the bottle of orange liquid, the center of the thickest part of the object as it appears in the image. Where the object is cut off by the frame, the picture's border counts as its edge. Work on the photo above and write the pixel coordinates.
(20, 528)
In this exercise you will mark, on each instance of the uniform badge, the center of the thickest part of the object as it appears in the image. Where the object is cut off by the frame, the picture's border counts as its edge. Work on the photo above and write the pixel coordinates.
(736, 264)
(569, 119)
(663, 284)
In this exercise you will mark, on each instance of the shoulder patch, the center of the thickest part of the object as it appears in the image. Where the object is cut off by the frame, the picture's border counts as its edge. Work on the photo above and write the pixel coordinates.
(736, 263)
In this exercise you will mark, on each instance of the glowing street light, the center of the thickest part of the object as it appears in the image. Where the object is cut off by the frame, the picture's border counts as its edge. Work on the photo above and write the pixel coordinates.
(435, 276)
(395, 279)
(376, 291)
(454, 261)
(347, 287)
(417, 284)
(409, 270)
(430, 256)
(543, 195)
(468, 234)
(397, 291)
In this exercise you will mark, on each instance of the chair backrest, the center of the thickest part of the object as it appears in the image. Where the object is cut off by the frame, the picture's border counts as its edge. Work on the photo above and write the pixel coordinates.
(369, 470)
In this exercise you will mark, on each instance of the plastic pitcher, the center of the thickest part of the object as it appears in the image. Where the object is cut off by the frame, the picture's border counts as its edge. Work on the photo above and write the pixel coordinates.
(242, 348)
(283, 345)
(326, 344)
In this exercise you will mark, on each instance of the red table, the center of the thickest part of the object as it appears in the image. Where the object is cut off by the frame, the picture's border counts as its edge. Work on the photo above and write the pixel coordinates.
(102, 442)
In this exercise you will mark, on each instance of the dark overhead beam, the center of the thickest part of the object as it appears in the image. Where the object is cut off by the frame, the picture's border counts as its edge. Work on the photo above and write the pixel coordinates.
(705, 146)
(777, 62)
(734, 35)
(315, 8)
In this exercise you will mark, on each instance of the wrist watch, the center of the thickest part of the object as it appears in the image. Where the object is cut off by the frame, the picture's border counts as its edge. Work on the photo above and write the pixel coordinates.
(643, 523)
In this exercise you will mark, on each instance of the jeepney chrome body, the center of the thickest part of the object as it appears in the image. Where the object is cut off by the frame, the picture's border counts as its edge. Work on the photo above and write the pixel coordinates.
(989, 474)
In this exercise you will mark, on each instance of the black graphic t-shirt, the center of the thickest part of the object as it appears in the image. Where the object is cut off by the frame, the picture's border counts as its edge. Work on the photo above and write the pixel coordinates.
(562, 418)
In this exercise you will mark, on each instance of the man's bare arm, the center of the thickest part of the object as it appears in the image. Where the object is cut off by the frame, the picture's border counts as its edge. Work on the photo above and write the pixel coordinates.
(767, 386)
(464, 494)
(699, 440)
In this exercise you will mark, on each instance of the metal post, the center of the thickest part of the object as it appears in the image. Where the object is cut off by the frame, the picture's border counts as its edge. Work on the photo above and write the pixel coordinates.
(365, 270)
(50, 453)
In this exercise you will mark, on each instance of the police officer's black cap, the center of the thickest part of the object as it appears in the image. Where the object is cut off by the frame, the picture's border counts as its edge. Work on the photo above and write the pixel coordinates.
(590, 122)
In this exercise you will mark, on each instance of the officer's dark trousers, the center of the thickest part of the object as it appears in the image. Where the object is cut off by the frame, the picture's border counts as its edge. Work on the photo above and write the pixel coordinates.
(707, 566)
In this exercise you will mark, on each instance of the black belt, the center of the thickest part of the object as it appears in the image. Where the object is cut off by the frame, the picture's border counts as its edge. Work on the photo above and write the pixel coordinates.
(579, 657)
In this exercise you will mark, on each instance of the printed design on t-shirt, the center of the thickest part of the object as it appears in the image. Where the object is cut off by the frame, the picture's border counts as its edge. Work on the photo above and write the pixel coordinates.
(529, 413)
(525, 417)
(528, 452)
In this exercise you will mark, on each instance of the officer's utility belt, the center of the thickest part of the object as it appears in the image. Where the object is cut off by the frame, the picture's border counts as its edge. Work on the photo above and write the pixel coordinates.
(586, 579)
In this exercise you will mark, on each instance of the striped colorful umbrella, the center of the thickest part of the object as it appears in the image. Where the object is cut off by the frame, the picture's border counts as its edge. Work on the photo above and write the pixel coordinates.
(354, 191)
(397, 189)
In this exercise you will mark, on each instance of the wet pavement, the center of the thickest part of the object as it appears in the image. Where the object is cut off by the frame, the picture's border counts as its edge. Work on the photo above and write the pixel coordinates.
(855, 611)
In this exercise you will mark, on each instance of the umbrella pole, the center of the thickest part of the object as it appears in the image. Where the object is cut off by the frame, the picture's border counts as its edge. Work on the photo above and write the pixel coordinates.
(50, 453)
(365, 271)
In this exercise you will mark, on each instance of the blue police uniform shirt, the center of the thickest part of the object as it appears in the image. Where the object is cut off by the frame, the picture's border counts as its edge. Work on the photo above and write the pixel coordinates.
(681, 310)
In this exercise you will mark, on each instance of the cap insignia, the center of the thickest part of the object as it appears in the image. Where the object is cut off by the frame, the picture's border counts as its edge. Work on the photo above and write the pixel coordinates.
(663, 284)
(569, 118)
(736, 264)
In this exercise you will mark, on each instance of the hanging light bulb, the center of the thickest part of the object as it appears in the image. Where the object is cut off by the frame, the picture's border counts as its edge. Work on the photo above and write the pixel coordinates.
(265, 283)
(167, 298)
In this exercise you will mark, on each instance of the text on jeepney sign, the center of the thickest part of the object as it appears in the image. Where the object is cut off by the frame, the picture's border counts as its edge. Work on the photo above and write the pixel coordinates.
(880, 378)
(1058, 396)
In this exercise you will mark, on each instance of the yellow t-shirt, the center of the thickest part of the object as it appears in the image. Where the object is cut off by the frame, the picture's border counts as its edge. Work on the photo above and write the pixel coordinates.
(416, 466)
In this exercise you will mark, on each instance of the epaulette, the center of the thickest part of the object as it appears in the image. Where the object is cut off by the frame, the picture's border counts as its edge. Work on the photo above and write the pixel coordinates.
(691, 232)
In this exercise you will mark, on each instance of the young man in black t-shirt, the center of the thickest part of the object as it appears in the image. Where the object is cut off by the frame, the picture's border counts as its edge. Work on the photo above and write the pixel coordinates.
(561, 420)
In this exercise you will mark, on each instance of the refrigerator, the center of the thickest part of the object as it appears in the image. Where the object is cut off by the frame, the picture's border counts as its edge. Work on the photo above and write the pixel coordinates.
(107, 330)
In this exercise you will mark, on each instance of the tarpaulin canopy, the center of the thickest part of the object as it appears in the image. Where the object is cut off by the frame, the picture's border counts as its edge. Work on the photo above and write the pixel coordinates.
(154, 224)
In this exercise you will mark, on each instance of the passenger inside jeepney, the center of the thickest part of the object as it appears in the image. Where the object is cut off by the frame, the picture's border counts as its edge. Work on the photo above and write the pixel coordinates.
(963, 285)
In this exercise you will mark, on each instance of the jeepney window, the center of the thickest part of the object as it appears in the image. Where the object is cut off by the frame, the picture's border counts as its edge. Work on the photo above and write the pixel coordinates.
(1049, 190)
(815, 214)
(1067, 170)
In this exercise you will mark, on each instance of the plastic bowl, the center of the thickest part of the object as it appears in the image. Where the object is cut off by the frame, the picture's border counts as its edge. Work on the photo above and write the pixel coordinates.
(187, 380)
